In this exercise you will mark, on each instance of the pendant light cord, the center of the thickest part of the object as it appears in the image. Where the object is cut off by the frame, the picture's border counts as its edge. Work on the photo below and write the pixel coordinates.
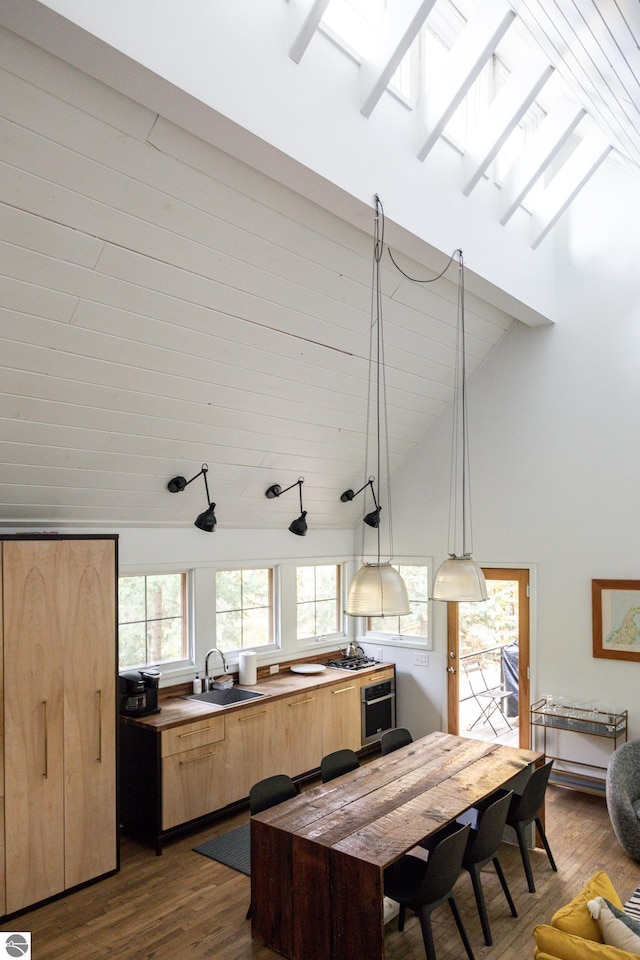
(376, 356)
(460, 434)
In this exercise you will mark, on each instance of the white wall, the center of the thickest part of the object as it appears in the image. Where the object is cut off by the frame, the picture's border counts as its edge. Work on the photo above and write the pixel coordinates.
(555, 456)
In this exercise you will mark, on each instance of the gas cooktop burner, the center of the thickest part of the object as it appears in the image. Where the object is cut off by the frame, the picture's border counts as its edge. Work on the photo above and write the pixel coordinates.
(352, 663)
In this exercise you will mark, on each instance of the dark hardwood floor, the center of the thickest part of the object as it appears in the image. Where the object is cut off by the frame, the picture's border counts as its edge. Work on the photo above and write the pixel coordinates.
(184, 906)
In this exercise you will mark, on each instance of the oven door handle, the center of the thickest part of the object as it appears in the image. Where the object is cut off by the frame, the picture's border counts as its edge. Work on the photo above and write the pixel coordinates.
(387, 696)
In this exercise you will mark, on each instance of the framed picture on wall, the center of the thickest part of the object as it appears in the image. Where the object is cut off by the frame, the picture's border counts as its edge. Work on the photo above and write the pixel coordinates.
(616, 619)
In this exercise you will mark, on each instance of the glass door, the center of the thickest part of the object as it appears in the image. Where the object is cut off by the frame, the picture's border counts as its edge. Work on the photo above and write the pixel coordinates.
(488, 661)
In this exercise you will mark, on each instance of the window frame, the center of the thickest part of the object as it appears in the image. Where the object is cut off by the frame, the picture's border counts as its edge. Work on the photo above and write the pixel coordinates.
(341, 635)
(165, 666)
(232, 656)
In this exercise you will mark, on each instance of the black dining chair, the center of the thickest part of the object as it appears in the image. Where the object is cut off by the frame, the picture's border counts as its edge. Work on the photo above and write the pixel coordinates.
(267, 793)
(422, 885)
(485, 837)
(525, 809)
(394, 739)
(335, 764)
(482, 848)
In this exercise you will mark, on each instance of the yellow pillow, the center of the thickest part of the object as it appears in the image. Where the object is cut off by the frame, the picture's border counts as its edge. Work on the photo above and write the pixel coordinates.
(575, 918)
(565, 946)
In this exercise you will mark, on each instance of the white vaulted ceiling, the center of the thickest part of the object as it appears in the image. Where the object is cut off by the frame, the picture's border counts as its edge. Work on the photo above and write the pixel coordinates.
(164, 303)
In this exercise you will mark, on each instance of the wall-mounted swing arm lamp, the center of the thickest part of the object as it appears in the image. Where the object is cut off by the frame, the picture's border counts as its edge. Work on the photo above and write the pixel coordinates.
(204, 521)
(299, 525)
(373, 518)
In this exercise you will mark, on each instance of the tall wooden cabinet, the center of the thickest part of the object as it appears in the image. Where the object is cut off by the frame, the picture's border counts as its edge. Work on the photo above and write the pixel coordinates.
(59, 634)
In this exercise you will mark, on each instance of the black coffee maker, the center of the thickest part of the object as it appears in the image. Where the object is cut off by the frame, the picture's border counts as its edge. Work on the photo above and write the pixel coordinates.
(139, 693)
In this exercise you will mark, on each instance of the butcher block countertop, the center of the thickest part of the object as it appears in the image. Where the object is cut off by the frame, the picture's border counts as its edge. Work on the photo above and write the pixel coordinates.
(176, 711)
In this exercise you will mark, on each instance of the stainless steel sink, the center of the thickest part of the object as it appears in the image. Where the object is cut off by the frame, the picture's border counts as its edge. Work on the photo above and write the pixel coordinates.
(224, 697)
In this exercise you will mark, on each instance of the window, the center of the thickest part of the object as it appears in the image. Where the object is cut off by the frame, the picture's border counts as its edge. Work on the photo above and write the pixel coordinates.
(151, 619)
(318, 596)
(244, 609)
(416, 623)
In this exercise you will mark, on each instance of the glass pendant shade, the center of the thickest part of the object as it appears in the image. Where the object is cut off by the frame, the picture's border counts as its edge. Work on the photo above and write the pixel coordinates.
(377, 590)
(459, 579)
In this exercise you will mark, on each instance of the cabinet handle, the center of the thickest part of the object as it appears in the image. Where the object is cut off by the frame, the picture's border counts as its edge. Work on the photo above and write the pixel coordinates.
(195, 759)
(192, 733)
(254, 716)
(99, 757)
(45, 772)
(344, 690)
(300, 703)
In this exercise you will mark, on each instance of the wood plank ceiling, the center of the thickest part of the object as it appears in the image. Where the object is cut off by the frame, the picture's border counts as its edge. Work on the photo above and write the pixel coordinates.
(162, 304)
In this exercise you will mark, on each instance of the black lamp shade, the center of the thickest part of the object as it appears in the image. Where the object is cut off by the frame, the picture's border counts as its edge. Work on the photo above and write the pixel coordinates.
(299, 526)
(373, 519)
(206, 521)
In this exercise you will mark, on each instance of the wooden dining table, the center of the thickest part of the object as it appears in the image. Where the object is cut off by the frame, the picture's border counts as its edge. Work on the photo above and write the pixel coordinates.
(318, 860)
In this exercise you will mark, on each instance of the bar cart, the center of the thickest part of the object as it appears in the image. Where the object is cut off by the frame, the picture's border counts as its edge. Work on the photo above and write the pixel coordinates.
(558, 715)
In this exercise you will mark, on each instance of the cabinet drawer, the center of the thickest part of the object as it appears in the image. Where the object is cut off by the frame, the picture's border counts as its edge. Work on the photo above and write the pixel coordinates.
(193, 784)
(191, 735)
(387, 674)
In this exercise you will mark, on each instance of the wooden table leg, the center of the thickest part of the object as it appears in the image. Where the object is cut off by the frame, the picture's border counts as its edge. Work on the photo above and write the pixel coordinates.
(357, 913)
(271, 887)
(311, 900)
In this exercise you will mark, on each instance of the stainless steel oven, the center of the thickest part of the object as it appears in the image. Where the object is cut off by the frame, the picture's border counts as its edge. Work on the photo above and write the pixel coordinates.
(378, 709)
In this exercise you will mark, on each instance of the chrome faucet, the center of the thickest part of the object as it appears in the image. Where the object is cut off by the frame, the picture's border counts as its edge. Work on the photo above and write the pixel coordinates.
(206, 664)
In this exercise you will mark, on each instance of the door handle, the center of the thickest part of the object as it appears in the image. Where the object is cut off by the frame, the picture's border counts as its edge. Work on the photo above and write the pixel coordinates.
(451, 669)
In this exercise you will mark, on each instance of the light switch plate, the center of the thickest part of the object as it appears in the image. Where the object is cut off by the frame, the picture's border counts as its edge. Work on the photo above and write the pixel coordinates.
(421, 660)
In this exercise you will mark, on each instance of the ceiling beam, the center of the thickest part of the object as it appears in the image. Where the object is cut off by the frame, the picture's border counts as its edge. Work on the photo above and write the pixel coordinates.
(490, 21)
(400, 25)
(567, 183)
(304, 19)
(549, 138)
(504, 114)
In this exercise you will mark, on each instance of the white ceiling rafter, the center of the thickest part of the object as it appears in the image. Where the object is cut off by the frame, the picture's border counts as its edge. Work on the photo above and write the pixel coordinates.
(505, 112)
(578, 169)
(401, 24)
(477, 42)
(553, 133)
(592, 48)
(304, 19)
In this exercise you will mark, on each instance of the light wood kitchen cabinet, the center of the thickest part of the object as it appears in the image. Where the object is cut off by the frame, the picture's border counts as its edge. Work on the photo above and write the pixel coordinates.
(59, 627)
(192, 758)
(176, 771)
(341, 727)
(254, 747)
(299, 732)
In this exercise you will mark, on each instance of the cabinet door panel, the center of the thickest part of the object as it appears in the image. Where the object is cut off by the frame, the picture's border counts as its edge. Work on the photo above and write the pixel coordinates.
(89, 641)
(300, 731)
(194, 784)
(34, 804)
(253, 748)
(341, 722)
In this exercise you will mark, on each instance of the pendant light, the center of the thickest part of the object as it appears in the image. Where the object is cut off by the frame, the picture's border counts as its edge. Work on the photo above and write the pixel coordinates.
(377, 590)
(460, 578)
